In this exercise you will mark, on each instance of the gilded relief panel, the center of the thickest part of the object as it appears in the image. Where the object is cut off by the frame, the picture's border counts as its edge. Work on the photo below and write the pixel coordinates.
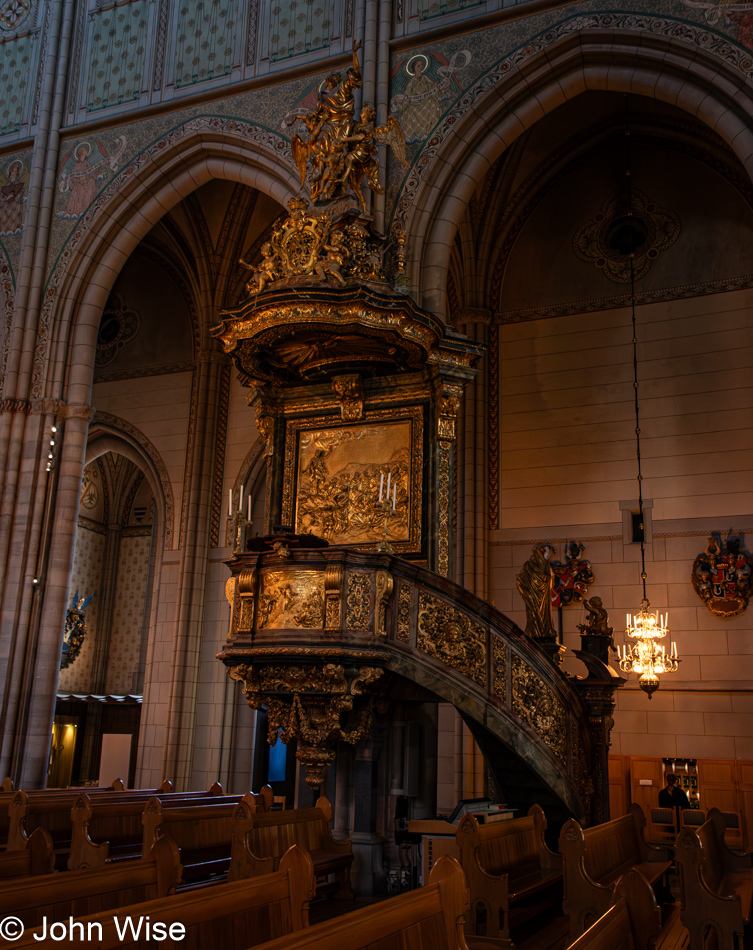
(359, 595)
(335, 475)
(291, 599)
(451, 637)
(403, 613)
(535, 703)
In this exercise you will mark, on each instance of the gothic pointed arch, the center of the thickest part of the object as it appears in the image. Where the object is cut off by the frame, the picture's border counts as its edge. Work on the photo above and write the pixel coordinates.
(165, 173)
(108, 433)
(601, 52)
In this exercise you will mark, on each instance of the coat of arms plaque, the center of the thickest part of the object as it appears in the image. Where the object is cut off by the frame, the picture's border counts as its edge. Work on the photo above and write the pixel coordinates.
(722, 577)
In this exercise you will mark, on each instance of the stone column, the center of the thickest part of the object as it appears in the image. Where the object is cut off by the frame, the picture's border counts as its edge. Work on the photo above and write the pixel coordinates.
(179, 740)
(367, 876)
(472, 546)
(42, 636)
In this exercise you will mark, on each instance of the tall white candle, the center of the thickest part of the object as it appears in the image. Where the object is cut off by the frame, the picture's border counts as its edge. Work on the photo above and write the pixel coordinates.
(230, 502)
(249, 509)
(389, 478)
(381, 486)
(394, 498)
(240, 500)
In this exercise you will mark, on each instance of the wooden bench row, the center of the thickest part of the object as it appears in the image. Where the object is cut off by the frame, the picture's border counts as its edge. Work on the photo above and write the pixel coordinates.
(87, 830)
(271, 911)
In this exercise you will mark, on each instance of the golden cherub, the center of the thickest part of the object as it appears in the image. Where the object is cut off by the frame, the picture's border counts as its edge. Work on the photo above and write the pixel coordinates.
(265, 273)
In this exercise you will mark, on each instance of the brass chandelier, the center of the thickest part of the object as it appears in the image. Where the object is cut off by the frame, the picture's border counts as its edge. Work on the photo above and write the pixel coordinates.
(646, 656)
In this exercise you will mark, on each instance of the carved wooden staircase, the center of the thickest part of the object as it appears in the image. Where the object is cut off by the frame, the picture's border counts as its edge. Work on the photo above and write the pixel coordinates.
(322, 636)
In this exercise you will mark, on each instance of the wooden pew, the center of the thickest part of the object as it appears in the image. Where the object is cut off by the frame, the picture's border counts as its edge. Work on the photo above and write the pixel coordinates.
(231, 916)
(595, 858)
(52, 810)
(508, 867)
(717, 885)
(7, 796)
(114, 830)
(203, 832)
(633, 922)
(265, 836)
(37, 858)
(429, 918)
(77, 893)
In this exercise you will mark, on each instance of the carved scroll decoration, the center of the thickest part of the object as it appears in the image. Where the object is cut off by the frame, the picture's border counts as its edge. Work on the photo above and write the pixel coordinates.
(246, 589)
(443, 526)
(359, 594)
(327, 705)
(499, 670)
(535, 703)
(451, 637)
(384, 587)
(349, 390)
(403, 613)
(333, 581)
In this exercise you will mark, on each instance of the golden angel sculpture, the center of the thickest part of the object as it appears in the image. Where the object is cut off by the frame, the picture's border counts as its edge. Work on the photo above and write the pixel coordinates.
(341, 150)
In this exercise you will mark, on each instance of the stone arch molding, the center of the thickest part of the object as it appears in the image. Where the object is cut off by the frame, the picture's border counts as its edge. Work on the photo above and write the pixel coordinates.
(125, 439)
(680, 63)
(164, 173)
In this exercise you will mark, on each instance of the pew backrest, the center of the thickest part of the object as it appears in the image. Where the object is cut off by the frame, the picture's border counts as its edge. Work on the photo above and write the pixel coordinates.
(233, 916)
(506, 847)
(38, 857)
(77, 893)
(270, 834)
(632, 922)
(99, 826)
(428, 918)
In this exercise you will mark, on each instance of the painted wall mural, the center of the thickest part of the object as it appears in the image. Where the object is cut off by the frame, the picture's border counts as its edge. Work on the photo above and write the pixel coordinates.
(420, 83)
(128, 614)
(14, 182)
(299, 26)
(205, 40)
(117, 43)
(82, 169)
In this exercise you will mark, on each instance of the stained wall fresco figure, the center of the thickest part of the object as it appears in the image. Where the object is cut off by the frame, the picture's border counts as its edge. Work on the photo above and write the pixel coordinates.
(420, 83)
(14, 180)
(81, 170)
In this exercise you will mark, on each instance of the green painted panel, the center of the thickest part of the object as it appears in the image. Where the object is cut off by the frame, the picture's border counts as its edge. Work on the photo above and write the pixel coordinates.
(298, 26)
(117, 40)
(205, 40)
(15, 62)
(428, 9)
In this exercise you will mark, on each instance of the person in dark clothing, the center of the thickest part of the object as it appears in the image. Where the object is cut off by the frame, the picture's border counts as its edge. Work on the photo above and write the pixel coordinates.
(672, 796)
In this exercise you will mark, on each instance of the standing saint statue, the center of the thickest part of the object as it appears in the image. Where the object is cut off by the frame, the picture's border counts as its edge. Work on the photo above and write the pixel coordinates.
(535, 583)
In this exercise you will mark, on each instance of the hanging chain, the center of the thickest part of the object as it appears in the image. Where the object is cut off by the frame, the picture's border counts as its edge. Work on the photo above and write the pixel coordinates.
(635, 351)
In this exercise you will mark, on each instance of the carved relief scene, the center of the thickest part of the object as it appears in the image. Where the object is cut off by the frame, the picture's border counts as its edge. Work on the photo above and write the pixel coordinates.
(354, 484)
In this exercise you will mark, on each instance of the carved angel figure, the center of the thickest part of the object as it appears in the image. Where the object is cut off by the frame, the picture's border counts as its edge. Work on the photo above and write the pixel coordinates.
(339, 151)
(265, 273)
(597, 619)
(362, 157)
